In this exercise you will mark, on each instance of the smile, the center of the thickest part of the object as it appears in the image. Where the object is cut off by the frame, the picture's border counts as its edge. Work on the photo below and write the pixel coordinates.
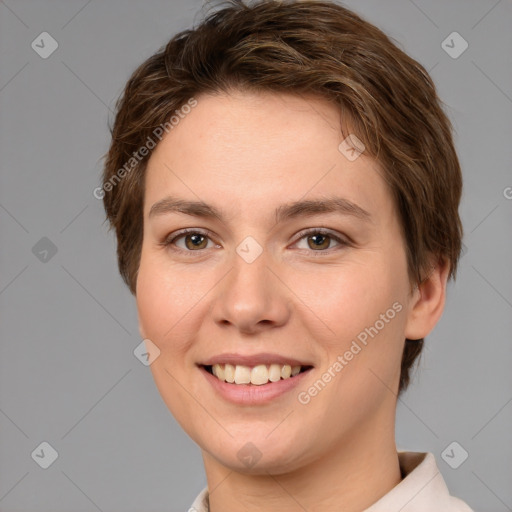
(256, 375)
(245, 393)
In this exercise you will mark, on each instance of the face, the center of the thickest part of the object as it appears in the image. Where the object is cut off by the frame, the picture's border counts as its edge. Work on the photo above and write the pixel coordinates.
(261, 280)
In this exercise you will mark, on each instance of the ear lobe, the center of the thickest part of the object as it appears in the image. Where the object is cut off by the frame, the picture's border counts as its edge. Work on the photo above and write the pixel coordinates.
(427, 302)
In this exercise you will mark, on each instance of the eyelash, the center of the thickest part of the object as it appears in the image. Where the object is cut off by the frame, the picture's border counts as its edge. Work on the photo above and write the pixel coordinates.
(169, 240)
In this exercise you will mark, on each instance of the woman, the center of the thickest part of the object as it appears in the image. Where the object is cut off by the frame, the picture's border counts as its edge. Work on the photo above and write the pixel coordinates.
(284, 189)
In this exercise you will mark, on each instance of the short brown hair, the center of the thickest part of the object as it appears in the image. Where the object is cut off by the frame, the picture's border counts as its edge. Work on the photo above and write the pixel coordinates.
(299, 47)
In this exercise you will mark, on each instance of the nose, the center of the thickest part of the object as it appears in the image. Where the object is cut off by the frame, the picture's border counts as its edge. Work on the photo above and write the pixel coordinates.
(251, 298)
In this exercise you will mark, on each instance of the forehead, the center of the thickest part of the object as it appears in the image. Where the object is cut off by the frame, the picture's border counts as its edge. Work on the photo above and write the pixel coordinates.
(241, 151)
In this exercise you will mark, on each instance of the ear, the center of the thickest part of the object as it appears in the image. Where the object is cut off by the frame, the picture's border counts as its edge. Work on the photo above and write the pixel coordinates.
(427, 301)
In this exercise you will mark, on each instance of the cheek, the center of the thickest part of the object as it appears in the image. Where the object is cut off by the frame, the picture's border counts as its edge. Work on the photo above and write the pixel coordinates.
(350, 297)
(362, 315)
(381, 338)
(167, 304)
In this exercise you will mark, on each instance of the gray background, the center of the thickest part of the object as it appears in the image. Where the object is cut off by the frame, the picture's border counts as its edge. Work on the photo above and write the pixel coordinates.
(69, 326)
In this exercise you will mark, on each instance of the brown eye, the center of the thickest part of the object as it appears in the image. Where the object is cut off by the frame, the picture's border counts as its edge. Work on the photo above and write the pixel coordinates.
(319, 241)
(195, 241)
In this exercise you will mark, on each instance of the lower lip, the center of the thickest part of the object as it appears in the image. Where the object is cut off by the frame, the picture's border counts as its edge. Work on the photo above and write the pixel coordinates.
(251, 394)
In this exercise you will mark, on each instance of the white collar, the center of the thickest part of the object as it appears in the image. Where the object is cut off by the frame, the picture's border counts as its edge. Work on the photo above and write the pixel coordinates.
(422, 489)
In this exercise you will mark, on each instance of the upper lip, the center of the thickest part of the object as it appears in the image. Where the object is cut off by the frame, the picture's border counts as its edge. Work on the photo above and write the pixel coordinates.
(253, 360)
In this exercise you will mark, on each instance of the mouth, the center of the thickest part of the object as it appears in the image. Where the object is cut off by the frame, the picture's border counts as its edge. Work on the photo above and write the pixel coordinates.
(259, 375)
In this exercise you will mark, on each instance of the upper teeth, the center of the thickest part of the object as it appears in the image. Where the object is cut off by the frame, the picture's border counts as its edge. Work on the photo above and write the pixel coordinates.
(258, 375)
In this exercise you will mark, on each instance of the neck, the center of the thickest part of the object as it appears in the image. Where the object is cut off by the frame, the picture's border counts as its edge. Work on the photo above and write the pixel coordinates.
(353, 475)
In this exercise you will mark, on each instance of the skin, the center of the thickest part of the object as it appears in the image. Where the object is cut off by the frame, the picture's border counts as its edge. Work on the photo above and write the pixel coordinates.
(247, 154)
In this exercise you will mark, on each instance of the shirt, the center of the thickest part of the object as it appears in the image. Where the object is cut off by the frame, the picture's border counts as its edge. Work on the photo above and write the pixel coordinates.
(422, 489)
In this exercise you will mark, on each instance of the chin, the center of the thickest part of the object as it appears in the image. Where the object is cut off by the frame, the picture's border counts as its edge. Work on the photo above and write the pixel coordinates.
(260, 453)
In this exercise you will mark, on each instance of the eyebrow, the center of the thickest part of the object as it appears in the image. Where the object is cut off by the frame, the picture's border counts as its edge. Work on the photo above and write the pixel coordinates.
(284, 212)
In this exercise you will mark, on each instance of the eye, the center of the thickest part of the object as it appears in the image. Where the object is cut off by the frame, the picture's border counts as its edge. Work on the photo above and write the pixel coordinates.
(193, 240)
(319, 240)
